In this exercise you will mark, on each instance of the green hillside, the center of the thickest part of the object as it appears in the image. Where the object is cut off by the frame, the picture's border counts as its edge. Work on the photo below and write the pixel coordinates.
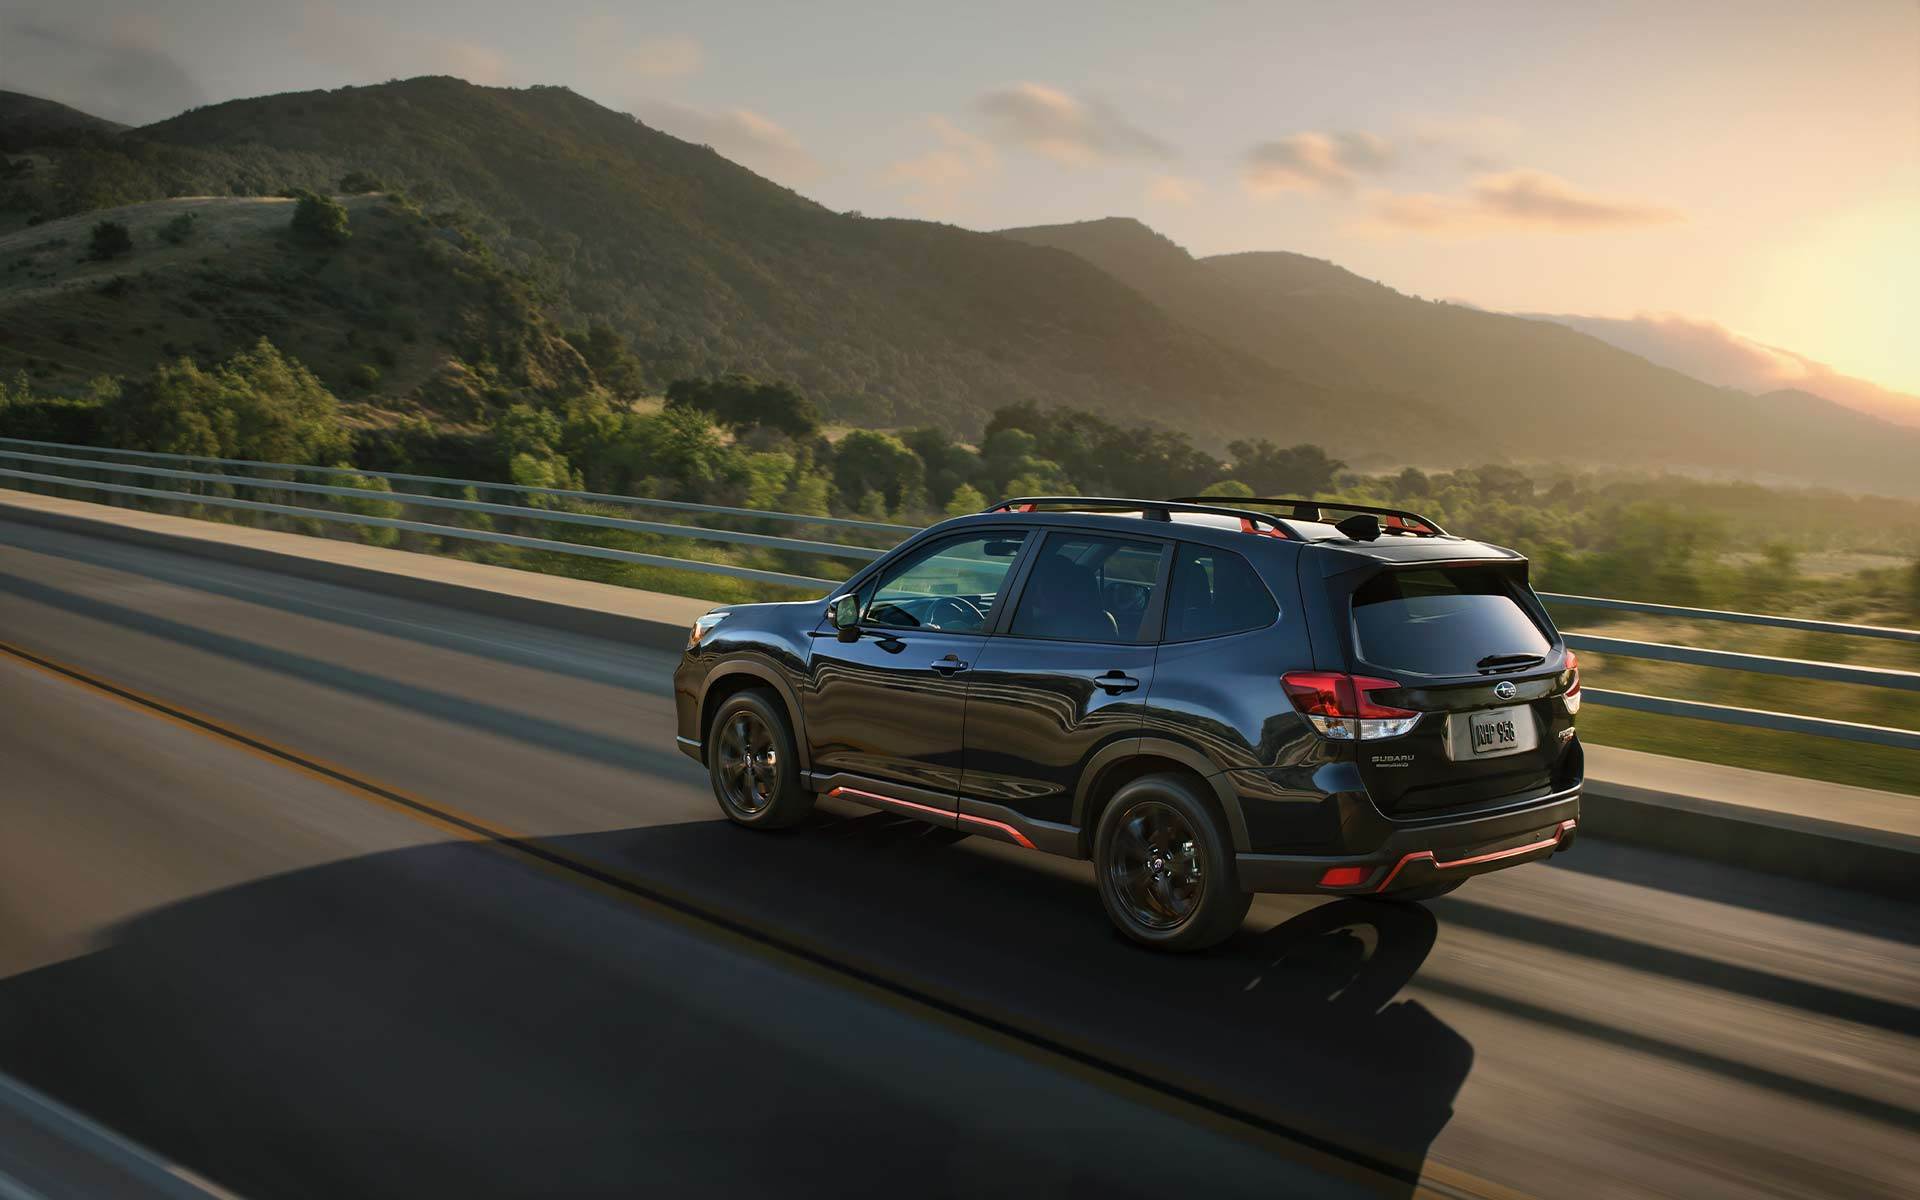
(706, 267)
(404, 312)
(30, 121)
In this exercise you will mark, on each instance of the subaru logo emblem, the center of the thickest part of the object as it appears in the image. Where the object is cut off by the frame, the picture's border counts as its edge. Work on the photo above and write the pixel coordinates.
(1505, 690)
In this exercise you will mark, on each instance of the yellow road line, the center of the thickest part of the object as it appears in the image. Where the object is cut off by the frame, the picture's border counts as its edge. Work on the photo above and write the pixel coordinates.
(1437, 1180)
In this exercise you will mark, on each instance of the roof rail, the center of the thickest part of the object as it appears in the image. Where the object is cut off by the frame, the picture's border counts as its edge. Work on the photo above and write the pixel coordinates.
(1153, 510)
(1308, 509)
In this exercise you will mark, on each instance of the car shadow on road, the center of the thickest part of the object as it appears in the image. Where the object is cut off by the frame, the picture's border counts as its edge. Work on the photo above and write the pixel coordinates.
(1301, 1024)
(446, 1020)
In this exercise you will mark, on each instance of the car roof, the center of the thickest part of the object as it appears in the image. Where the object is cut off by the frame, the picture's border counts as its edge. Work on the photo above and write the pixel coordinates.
(1230, 532)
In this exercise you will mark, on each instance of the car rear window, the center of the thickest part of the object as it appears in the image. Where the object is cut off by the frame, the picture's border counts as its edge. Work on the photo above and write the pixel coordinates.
(1443, 621)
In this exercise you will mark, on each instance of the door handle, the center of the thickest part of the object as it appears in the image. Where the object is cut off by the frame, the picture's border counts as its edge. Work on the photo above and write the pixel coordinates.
(949, 665)
(1115, 682)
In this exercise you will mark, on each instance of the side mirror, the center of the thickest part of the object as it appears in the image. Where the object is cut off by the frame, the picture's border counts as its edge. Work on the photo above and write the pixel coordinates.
(845, 614)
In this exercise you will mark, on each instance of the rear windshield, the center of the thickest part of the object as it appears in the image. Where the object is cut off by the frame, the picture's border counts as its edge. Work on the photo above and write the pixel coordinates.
(1444, 621)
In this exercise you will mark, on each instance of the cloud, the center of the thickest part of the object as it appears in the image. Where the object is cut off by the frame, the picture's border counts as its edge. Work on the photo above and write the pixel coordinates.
(1711, 352)
(1515, 200)
(1068, 130)
(1176, 190)
(371, 47)
(662, 57)
(934, 180)
(754, 141)
(1309, 162)
(119, 72)
(606, 47)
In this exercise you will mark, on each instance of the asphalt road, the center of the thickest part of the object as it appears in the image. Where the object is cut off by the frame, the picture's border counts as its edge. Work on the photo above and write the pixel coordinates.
(307, 964)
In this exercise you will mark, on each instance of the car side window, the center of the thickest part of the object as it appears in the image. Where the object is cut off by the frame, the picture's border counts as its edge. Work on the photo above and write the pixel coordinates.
(951, 585)
(1215, 592)
(1086, 587)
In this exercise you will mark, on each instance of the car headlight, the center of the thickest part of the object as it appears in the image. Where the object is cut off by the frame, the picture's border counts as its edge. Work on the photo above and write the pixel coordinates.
(704, 626)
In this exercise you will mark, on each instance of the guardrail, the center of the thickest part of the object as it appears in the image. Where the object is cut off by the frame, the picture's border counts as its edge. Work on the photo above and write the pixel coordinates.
(75, 459)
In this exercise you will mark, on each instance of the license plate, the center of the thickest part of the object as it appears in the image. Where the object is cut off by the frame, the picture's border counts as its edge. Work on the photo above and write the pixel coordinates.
(1497, 730)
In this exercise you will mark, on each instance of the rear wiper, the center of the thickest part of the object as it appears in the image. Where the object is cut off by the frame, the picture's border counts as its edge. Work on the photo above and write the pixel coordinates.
(1509, 660)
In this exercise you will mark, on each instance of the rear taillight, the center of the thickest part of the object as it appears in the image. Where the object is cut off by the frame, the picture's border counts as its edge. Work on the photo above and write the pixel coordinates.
(1572, 695)
(1341, 707)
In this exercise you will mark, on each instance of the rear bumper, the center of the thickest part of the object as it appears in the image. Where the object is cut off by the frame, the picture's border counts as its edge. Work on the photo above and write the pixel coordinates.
(1427, 853)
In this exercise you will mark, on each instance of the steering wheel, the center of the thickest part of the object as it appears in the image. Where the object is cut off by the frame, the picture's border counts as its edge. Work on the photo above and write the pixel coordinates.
(971, 617)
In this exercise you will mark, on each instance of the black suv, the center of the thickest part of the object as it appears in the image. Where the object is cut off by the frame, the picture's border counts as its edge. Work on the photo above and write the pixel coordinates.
(1208, 698)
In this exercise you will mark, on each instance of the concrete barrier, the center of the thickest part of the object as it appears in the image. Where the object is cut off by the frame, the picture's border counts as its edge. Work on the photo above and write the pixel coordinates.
(574, 605)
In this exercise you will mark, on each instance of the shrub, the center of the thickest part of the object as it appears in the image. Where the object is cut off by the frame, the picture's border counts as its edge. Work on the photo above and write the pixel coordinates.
(366, 377)
(110, 240)
(738, 402)
(319, 219)
(257, 404)
(355, 183)
(966, 499)
(180, 229)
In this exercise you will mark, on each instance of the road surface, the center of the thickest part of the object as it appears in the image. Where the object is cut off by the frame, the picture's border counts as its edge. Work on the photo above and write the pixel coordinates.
(317, 892)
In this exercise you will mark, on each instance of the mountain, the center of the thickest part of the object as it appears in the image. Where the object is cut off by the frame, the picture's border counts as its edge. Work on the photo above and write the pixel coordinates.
(1718, 355)
(404, 307)
(709, 268)
(565, 213)
(30, 121)
(1517, 387)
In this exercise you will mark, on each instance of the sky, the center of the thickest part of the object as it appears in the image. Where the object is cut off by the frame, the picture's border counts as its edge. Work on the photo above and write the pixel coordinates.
(1744, 171)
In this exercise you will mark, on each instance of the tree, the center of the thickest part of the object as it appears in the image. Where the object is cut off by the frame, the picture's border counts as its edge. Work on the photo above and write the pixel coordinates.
(966, 499)
(1774, 576)
(373, 535)
(1273, 471)
(683, 449)
(1411, 483)
(868, 462)
(1011, 465)
(741, 402)
(948, 465)
(110, 240)
(612, 361)
(355, 183)
(257, 404)
(319, 219)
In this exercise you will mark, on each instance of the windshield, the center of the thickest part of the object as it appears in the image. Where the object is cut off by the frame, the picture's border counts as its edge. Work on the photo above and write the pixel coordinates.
(1445, 621)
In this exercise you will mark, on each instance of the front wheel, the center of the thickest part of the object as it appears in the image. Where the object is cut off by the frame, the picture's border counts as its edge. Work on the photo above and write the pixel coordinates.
(1166, 868)
(751, 760)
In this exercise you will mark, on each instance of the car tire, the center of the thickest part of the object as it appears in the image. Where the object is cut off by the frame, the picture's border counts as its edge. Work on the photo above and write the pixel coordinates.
(1426, 891)
(1165, 866)
(753, 765)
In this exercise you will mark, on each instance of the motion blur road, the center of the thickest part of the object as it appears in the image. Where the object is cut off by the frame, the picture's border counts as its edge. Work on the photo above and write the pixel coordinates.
(310, 967)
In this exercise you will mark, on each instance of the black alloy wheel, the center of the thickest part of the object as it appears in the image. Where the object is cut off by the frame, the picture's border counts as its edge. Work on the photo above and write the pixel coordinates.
(752, 763)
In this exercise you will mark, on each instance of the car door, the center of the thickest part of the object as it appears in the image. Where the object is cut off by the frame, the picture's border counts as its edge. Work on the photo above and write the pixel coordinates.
(1068, 675)
(886, 703)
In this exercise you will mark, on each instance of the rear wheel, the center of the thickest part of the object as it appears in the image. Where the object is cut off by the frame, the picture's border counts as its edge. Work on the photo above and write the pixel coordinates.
(1428, 891)
(751, 760)
(1166, 868)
